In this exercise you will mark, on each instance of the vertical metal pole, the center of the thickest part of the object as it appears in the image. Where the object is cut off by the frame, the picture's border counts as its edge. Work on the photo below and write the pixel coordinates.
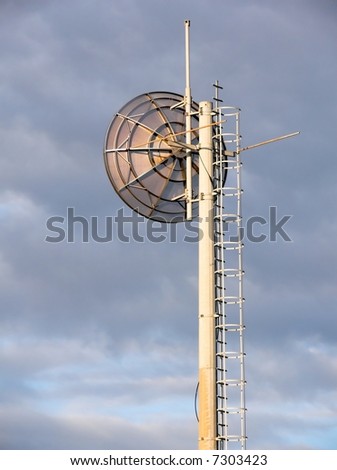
(243, 437)
(207, 365)
(188, 106)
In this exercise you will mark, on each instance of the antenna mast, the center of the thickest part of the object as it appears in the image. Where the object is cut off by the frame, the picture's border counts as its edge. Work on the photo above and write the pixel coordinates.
(207, 373)
(188, 138)
(151, 169)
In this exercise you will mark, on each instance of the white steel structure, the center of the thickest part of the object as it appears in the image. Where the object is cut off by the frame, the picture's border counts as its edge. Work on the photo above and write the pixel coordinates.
(171, 159)
(228, 274)
(222, 409)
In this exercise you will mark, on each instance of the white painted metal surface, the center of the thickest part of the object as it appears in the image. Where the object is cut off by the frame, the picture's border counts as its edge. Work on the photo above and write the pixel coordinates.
(228, 274)
(207, 391)
(188, 117)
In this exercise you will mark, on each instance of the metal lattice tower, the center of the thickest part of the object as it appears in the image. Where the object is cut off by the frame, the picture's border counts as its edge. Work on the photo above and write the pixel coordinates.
(228, 274)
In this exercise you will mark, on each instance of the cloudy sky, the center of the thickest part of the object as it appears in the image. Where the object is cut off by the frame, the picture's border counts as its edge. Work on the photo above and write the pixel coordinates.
(98, 341)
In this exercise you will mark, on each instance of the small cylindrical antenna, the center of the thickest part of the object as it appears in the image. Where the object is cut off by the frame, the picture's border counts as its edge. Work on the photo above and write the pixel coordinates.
(269, 141)
(187, 56)
(188, 138)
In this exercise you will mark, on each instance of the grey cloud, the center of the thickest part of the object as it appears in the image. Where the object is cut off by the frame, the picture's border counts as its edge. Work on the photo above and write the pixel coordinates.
(117, 323)
(83, 432)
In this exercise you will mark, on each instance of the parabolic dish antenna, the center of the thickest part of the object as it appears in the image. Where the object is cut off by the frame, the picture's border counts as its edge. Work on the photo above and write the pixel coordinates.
(145, 154)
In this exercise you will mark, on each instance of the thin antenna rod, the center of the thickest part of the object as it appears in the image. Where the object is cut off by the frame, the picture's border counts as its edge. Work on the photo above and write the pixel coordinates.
(167, 138)
(270, 141)
(188, 139)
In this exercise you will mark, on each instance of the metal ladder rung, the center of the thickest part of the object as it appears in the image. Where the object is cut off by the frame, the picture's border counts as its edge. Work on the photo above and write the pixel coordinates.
(231, 410)
(230, 300)
(230, 354)
(231, 328)
(229, 246)
(231, 438)
(229, 272)
(231, 218)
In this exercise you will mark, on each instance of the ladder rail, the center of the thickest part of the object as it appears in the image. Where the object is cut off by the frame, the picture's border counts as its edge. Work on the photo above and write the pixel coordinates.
(228, 275)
